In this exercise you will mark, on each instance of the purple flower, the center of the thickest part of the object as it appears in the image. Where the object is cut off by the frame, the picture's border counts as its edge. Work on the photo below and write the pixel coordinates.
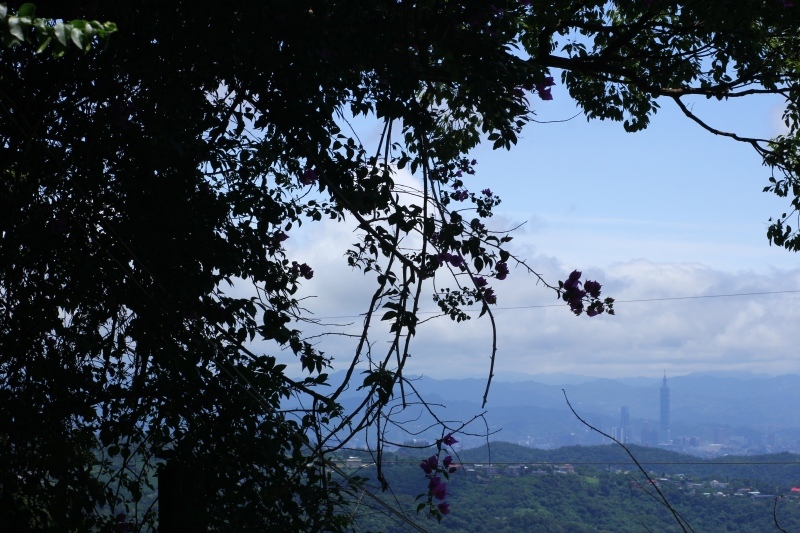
(456, 261)
(593, 288)
(309, 177)
(573, 294)
(449, 440)
(519, 93)
(461, 195)
(444, 507)
(487, 193)
(576, 306)
(788, 3)
(591, 311)
(573, 281)
(437, 489)
(543, 88)
(489, 296)
(447, 461)
(429, 465)
(445, 257)
(502, 271)
(306, 271)
(548, 82)
(479, 281)
(280, 236)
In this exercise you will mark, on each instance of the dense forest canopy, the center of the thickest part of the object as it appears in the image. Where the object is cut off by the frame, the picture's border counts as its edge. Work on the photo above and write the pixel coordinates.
(164, 154)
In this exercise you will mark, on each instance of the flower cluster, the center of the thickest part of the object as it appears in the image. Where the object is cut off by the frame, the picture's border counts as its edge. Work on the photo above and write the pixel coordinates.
(572, 293)
(501, 271)
(302, 270)
(460, 195)
(437, 488)
(445, 257)
(309, 177)
(543, 88)
(455, 169)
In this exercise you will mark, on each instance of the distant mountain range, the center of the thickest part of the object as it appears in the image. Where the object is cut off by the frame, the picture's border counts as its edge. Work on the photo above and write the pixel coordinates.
(520, 410)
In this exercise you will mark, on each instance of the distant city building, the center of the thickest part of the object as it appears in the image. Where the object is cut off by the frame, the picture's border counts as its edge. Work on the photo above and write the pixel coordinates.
(664, 437)
(624, 424)
(649, 437)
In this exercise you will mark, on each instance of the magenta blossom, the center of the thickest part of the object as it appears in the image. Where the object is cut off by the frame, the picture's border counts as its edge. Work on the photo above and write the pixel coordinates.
(449, 440)
(502, 271)
(309, 177)
(445, 257)
(573, 294)
(444, 507)
(306, 271)
(543, 88)
(479, 281)
(429, 465)
(489, 296)
(593, 288)
(487, 193)
(573, 281)
(437, 489)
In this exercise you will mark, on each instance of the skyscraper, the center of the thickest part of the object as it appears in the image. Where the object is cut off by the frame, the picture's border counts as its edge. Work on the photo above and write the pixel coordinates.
(624, 423)
(665, 436)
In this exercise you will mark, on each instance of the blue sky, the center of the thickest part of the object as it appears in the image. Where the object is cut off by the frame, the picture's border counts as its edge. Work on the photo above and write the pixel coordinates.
(670, 212)
(672, 192)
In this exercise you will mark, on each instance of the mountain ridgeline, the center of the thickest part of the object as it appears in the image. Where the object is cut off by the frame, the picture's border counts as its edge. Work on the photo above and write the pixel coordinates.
(710, 414)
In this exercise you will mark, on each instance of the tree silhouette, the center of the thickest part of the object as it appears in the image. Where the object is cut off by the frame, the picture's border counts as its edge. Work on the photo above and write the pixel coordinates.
(148, 180)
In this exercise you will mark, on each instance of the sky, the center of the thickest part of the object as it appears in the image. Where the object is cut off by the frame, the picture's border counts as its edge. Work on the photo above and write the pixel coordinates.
(669, 221)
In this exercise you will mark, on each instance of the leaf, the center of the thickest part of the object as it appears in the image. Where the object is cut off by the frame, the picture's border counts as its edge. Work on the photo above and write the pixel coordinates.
(44, 45)
(27, 10)
(77, 37)
(15, 29)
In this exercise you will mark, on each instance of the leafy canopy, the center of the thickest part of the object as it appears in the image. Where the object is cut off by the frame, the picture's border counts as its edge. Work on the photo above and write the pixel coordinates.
(147, 170)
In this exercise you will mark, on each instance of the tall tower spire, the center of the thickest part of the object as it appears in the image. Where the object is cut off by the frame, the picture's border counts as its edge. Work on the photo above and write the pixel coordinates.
(665, 436)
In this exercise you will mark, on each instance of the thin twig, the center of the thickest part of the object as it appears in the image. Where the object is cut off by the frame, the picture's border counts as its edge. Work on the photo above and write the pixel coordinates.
(678, 518)
(775, 514)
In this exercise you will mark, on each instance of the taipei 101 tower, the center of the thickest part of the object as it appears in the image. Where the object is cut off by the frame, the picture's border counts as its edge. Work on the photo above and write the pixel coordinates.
(665, 437)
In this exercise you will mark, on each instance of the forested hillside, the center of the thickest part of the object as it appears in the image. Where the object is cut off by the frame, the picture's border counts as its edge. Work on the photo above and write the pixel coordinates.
(532, 490)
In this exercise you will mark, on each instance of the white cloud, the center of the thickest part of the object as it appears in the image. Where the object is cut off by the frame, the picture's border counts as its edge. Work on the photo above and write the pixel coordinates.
(756, 332)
